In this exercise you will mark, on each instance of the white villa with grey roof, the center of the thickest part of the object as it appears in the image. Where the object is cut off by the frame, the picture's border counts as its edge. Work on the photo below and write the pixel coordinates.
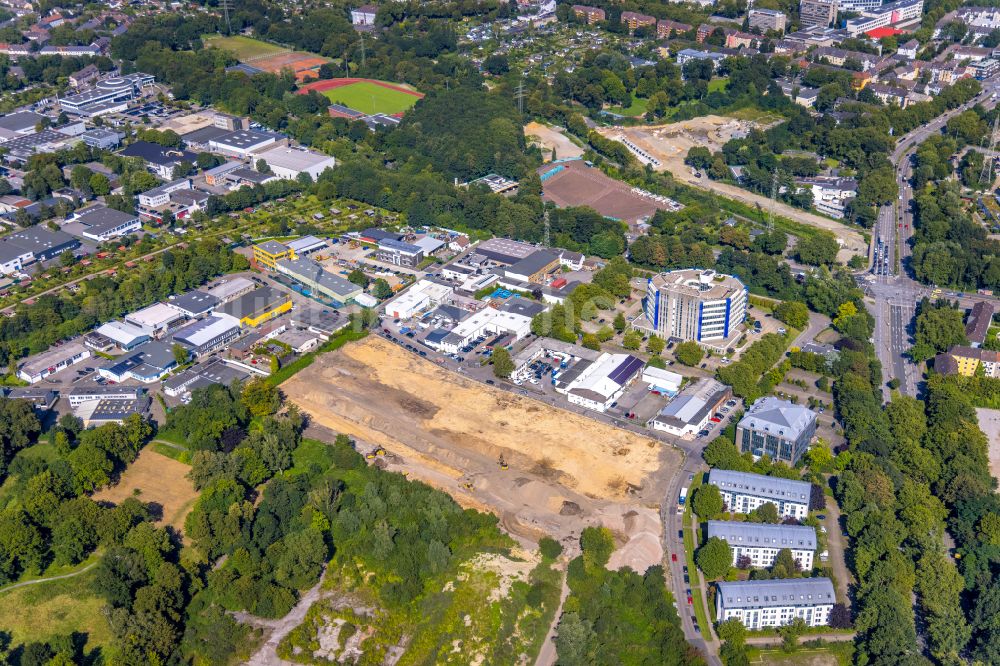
(744, 492)
(762, 542)
(773, 603)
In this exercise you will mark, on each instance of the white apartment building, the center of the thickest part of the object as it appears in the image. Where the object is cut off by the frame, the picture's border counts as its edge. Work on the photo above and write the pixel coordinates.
(773, 603)
(744, 492)
(761, 542)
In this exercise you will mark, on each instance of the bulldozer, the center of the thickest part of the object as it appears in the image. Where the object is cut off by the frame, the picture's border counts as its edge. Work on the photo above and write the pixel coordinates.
(376, 452)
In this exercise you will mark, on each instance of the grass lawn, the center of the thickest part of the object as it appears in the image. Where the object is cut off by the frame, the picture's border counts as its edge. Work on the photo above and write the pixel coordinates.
(752, 114)
(242, 47)
(831, 654)
(719, 84)
(310, 451)
(371, 98)
(57, 607)
(636, 108)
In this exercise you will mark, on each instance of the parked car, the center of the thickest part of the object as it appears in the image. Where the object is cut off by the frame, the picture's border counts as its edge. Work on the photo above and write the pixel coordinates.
(673, 557)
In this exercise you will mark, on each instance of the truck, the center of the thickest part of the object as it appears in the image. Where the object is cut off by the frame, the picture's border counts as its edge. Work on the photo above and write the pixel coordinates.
(682, 497)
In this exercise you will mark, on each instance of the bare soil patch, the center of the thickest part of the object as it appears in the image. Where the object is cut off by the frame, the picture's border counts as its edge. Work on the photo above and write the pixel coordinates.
(566, 471)
(160, 480)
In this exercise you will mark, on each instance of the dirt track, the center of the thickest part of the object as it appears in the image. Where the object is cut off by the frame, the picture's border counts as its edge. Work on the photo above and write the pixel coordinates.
(670, 144)
(549, 138)
(566, 471)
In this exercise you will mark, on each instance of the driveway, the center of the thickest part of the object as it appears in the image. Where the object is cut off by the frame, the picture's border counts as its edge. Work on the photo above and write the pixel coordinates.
(836, 544)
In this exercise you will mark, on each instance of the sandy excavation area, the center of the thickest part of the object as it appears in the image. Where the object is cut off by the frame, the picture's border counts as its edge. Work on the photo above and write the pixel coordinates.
(670, 144)
(565, 471)
(548, 138)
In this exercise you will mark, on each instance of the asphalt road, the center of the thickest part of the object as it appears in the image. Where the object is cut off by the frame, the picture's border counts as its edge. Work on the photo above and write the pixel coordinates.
(894, 293)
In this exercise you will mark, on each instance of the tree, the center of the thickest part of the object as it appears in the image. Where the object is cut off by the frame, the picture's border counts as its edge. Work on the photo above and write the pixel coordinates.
(790, 634)
(180, 352)
(707, 502)
(573, 639)
(688, 353)
(818, 249)
(260, 397)
(785, 564)
(767, 513)
(632, 340)
(503, 364)
(840, 617)
(590, 341)
(938, 328)
(597, 544)
(381, 289)
(619, 323)
(358, 277)
(655, 345)
(722, 453)
(496, 64)
(715, 558)
(262, 166)
(793, 313)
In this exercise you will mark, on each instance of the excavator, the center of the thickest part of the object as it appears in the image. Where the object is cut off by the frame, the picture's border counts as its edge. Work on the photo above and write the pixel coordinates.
(377, 452)
(502, 463)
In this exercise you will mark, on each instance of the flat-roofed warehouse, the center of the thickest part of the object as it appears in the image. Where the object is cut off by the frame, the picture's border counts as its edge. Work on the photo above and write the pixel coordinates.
(690, 411)
(124, 335)
(603, 382)
(288, 162)
(154, 319)
(38, 367)
(317, 278)
(505, 250)
(193, 303)
(227, 290)
(209, 334)
(33, 244)
(258, 306)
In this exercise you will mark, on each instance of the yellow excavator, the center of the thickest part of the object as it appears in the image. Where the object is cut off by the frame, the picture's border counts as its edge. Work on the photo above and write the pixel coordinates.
(502, 463)
(377, 452)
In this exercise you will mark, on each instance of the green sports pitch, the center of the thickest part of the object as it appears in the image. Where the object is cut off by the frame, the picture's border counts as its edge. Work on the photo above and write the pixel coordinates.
(371, 98)
(244, 48)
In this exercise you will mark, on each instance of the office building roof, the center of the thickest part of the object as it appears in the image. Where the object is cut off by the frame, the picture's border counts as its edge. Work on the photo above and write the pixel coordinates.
(272, 247)
(766, 487)
(255, 303)
(98, 391)
(779, 417)
(776, 593)
(703, 284)
(762, 535)
(399, 246)
(192, 303)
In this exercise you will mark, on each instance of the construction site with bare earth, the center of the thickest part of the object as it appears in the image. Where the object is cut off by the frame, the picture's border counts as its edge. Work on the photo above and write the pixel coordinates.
(562, 471)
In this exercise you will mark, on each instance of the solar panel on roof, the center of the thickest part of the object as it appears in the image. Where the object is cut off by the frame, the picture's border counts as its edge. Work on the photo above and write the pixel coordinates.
(625, 370)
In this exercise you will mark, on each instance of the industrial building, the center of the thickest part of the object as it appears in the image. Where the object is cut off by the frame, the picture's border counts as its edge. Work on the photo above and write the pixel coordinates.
(155, 319)
(38, 367)
(37, 243)
(319, 280)
(258, 306)
(244, 143)
(270, 252)
(111, 95)
(761, 542)
(306, 245)
(81, 394)
(535, 268)
(602, 382)
(125, 336)
(209, 334)
(744, 492)
(421, 296)
(231, 288)
(691, 410)
(776, 428)
(193, 303)
(102, 224)
(161, 160)
(504, 250)
(697, 305)
(486, 321)
(206, 373)
(101, 412)
(41, 399)
(399, 253)
(289, 162)
(664, 381)
(772, 603)
(146, 363)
